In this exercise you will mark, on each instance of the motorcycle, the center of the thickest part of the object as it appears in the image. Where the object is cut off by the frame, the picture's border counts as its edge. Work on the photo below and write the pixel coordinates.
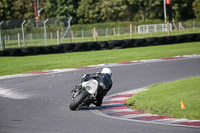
(84, 95)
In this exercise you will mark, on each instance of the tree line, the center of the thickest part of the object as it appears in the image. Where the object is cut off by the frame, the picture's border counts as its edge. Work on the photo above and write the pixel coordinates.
(96, 11)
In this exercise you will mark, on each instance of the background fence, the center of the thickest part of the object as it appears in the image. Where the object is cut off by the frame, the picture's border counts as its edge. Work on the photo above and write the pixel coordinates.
(144, 29)
(22, 33)
(51, 31)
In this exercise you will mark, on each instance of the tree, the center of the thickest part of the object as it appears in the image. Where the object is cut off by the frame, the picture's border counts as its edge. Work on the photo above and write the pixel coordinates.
(147, 9)
(196, 8)
(93, 11)
(180, 10)
(153, 9)
(22, 9)
(58, 8)
(115, 10)
(88, 11)
(5, 9)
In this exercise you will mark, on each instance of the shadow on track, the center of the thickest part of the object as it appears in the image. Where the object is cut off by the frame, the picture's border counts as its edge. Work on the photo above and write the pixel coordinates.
(101, 107)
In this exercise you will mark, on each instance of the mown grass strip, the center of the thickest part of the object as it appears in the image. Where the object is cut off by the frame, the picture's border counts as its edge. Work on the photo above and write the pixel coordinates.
(164, 99)
(14, 65)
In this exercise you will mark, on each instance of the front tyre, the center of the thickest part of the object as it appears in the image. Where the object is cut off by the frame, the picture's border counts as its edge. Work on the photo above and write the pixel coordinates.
(78, 100)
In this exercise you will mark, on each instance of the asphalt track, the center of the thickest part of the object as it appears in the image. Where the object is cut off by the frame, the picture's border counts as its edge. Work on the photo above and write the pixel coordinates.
(39, 104)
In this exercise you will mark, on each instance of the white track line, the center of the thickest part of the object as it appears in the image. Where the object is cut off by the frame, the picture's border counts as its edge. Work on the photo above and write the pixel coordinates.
(115, 110)
(9, 93)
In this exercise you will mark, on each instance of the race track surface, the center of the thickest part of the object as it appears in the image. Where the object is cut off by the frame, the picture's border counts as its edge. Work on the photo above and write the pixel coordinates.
(39, 104)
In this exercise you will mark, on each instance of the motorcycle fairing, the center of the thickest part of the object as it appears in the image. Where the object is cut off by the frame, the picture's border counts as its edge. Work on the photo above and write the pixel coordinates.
(91, 86)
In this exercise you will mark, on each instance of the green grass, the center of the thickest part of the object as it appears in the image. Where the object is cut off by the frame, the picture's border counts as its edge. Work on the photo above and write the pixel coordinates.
(14, 65)
(164, 99)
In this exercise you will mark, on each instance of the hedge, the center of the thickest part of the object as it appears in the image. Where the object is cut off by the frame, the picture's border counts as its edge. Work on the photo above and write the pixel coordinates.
(100, 45)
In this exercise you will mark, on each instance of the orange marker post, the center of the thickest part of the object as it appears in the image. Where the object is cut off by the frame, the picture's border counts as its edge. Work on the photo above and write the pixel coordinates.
(182, 105)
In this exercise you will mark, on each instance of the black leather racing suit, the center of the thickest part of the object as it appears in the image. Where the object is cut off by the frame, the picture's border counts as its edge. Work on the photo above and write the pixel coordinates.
(104, 85)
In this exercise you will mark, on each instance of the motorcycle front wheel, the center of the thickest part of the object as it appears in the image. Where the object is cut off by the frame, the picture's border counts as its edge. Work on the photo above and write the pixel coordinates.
(78, 100)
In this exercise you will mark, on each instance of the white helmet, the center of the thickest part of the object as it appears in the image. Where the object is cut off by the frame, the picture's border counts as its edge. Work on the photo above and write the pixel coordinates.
(107, 71)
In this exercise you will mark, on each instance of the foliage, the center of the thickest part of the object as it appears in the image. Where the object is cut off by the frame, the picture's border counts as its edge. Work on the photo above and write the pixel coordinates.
(196, 8)
(96, 11)
(119, 7)
(60, 8)
(88, 11)
(5, 9)
(181, 9)
(147, 9)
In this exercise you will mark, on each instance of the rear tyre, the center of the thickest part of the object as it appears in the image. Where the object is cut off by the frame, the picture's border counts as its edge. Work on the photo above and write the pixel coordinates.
(78, 100)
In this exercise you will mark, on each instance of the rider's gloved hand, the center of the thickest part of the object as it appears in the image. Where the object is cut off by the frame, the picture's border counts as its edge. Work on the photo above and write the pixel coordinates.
(77, 88)
(85, 77)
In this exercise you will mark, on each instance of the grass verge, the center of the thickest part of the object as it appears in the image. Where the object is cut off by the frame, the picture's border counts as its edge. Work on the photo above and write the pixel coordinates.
(14, 65)
(164, 99)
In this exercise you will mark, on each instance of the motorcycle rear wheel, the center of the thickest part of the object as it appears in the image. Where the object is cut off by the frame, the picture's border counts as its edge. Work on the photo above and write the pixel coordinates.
(78, 100)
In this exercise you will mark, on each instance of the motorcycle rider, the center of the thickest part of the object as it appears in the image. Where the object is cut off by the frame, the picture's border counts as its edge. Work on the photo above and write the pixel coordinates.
(104, 84)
